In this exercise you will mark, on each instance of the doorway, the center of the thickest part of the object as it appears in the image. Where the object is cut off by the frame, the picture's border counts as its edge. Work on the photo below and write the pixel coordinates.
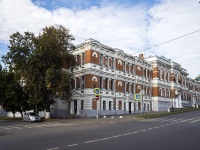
(129, 106)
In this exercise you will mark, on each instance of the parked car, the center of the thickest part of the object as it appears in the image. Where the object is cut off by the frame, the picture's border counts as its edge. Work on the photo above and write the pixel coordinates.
(31, 117)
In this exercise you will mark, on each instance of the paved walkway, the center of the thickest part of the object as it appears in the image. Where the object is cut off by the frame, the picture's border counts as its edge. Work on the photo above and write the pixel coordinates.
(103, 119)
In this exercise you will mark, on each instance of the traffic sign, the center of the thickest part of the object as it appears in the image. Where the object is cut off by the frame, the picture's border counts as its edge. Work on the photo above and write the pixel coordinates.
(96, 91)
(97, 98)
(137, 97)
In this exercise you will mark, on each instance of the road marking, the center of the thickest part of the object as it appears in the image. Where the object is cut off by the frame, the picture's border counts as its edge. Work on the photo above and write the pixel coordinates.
(17, 127)
(91, 141)
(187, 119)
(167, 120)
(194, 121)
(72, 145)
(5, 128)
(135, 132)
(177, 120)
(117, 136)
(127, 134)
(143, 130)
(53, 148)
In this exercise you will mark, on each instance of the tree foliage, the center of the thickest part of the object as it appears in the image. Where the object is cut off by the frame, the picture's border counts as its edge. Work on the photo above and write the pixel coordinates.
(41, 62)
(12, 96)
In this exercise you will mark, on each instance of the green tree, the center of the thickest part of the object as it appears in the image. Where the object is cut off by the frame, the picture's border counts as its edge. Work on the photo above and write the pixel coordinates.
(12, 97)
(42, 62)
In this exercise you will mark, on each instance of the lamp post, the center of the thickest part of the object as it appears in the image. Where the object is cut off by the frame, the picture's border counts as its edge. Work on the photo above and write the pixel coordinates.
(172, 109)
(115, 91)
(142, 93)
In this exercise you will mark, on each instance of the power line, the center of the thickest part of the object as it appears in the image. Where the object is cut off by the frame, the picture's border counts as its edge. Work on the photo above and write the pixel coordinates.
(168, 41)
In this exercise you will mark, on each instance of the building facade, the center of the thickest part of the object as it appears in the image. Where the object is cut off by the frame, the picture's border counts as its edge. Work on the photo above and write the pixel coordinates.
(163, 83)
(119, 76)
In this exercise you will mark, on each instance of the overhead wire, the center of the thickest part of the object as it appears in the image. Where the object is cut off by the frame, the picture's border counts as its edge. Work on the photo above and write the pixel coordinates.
(167, 41)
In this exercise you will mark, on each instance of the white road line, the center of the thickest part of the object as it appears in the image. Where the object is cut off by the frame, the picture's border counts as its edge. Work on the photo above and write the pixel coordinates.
(117, 136)
(72, 145)
(105, 139)
(195, 121)
(53, 148)
(168, 120)
(6, 128)
(135, 132)
(127, 134)
(176, 120)
(187, 119)
(17, 127)
(91, 141)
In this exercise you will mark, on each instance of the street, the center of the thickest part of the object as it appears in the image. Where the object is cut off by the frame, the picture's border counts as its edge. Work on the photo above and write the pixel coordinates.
(178, 131)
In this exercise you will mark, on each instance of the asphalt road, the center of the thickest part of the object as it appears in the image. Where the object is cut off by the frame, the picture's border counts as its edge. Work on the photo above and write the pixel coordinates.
(173, 132)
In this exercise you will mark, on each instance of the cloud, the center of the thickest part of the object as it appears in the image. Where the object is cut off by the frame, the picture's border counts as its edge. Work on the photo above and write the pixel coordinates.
(127, 26)
(171, 19)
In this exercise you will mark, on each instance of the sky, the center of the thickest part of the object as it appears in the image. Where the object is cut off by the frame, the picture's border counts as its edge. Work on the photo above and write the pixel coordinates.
(133, 26)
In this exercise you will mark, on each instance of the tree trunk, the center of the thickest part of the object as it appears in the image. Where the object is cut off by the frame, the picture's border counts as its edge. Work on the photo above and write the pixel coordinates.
(21, 114)
(47, 115)
(13, 114)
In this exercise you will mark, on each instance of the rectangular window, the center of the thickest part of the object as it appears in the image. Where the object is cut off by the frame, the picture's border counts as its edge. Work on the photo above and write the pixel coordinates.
(101, 80)
(110, 104)
(134, 107)
(133, 69)
(124, 106)
(77, 83)
(82, 102)
(112, 62)
(106, 61)
(106, 82)
(133, 90)
(71, 84)
(83, 58)
(124, 67)
(104, 105)
(77, 58)
(101, 60)
(124, 87)
(112, 84)
(82, 82)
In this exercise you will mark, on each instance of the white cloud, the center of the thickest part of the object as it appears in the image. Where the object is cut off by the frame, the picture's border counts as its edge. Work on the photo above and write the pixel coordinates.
(130, 28)
(172, 19)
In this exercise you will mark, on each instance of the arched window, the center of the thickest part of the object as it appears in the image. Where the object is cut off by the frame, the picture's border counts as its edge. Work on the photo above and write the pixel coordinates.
(119, 62)
(119, 83)
(138, 68)
(94, 78)
(94, 54)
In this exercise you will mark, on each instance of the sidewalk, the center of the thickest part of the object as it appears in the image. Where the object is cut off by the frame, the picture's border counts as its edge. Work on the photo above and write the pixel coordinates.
(104, 119)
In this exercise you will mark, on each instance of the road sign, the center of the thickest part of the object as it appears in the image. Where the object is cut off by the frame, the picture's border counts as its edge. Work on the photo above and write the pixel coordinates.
(137, 97)
(96, 91)
(97, 98)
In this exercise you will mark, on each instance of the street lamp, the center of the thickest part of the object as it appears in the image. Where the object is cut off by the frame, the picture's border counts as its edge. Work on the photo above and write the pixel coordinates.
(142, 93)
(115, 91)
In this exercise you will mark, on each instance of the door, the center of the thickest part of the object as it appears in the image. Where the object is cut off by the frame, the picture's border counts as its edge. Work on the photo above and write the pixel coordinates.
(75, 107)
(129, 106)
